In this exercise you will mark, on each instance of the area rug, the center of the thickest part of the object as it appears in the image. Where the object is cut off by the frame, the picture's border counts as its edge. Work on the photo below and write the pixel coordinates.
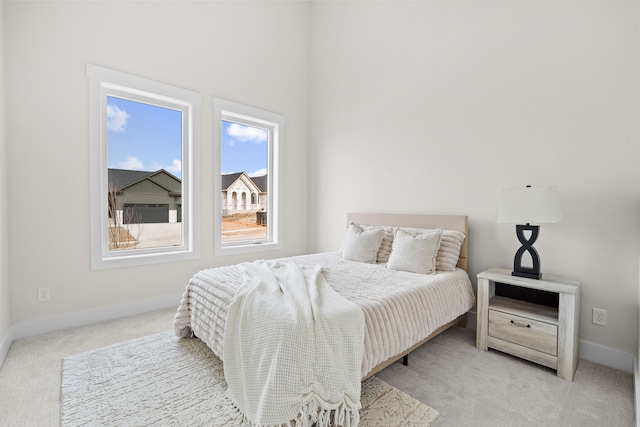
(161, 380)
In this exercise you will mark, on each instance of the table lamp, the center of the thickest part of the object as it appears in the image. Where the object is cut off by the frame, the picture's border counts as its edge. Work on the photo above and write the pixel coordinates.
(529, 205)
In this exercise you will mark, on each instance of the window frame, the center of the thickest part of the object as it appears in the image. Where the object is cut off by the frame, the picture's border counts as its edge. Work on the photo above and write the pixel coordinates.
(105, 82)
(256, 117)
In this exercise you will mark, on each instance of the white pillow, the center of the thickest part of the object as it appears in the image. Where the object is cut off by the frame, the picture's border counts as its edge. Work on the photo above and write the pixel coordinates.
(415, 253)
(361, 245)
(449, 250)
(387, 241)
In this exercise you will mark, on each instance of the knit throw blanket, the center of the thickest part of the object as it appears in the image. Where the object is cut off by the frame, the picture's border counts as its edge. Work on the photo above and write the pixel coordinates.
(293, 349)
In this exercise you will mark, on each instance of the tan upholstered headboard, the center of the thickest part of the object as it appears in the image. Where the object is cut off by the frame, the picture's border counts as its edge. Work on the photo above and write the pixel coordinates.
(444, 222)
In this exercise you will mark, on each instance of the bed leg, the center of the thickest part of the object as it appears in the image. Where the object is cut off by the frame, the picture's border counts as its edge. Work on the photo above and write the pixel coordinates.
(405, 360)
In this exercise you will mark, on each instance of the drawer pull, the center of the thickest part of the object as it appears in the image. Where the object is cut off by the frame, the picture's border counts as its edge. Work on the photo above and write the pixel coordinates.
(522, 325)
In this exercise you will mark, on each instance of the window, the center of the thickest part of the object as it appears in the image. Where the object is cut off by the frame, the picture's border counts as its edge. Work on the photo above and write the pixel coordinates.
(247, 178)
(143, 139)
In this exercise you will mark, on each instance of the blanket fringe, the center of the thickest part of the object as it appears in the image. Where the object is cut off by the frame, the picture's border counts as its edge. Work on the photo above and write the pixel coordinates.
(311, 415)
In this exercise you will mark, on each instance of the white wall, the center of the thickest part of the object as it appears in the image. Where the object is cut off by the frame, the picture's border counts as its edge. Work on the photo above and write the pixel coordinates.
(5, 312)
(433, 107)
(414, 107)
(249, 52)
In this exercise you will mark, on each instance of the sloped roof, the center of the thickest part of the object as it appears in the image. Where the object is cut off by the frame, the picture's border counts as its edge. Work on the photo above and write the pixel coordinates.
(261, 182)
(230, 178)
(120, 179)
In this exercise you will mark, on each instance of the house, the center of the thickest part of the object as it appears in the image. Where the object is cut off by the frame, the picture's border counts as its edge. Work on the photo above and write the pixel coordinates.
(144, 197)
(416, 107)
(241, 193)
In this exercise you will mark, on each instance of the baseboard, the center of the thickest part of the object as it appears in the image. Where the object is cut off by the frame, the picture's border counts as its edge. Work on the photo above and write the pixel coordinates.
(636, 389)
(7, 339)
(606, 356)
(72, 320)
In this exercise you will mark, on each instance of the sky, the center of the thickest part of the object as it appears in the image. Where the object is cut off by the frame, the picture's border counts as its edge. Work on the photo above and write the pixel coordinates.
(143, 137)
(244, 149)
(146, 137)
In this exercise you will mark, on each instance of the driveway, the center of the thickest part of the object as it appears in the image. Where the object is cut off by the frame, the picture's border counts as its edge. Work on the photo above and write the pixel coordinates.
(164, 235)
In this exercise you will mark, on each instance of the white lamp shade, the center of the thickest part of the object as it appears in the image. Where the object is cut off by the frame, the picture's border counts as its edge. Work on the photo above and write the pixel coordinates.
(530, 205)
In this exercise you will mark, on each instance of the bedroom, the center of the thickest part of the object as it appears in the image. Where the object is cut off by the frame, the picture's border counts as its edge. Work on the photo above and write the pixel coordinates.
(473, 96)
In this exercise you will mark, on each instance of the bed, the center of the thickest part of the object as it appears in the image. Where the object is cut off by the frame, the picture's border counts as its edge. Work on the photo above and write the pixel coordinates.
(403, 309)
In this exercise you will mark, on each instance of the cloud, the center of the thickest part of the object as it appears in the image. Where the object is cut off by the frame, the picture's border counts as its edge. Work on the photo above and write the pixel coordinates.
(116, 118)
(259, 172)
(132, 163)
(176, 167)
(244, 133)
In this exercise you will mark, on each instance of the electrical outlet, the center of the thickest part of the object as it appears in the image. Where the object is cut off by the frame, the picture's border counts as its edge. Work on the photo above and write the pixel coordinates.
(43, 294)
(599, 316)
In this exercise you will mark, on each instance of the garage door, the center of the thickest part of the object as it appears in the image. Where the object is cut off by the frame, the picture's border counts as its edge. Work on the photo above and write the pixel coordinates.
(148, 213)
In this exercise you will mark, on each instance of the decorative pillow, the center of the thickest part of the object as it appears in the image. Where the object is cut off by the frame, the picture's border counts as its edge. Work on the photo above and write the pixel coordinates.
(415, 253)
(387, 240)
(361, 245)
(449, 251)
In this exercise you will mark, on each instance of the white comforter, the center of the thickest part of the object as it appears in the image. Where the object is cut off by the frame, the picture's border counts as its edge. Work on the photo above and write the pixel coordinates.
(400, 308)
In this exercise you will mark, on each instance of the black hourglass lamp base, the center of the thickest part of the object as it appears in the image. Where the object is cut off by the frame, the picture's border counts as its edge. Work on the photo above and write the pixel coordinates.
(532, 272)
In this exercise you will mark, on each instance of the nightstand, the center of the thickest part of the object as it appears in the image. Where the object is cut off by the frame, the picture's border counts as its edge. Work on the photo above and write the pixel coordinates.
(536, 320)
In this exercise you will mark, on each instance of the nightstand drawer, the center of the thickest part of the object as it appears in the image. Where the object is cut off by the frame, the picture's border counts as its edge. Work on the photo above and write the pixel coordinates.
(520, 330)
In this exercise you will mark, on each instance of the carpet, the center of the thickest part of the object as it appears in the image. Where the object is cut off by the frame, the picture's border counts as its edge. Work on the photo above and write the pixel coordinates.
(161, 380)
